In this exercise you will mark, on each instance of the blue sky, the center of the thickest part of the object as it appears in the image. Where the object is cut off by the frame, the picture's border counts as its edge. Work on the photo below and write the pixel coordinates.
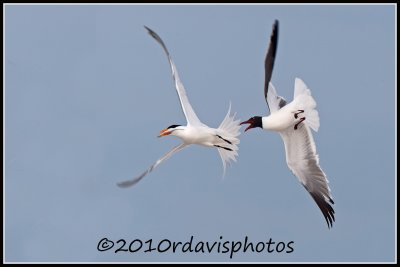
(87, 91)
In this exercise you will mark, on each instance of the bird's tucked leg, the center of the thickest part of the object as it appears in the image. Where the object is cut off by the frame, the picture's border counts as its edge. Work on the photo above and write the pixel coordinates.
(226, 148)
(229, 142)
(296, 114)
(297, 124)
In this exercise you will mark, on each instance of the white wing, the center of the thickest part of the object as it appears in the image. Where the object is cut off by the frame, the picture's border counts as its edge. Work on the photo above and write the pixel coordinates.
(135, 180)
(303, 161)
(274, 101)
(190, 115)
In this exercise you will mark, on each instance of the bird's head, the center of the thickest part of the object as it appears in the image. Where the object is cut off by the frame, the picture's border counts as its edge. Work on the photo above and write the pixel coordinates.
(254, 122)
(170, 130)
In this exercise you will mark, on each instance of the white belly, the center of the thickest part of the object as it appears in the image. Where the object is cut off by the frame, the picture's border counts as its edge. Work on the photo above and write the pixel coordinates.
(279, 120)
(199, 136)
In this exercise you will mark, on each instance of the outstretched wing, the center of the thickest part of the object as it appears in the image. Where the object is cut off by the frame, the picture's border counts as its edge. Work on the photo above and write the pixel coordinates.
(270, 58)
(303, 161)
(190, 115)
(135, 180)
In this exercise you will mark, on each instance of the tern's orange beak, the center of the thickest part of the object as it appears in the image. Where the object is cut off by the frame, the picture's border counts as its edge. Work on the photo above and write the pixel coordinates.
(164, 132)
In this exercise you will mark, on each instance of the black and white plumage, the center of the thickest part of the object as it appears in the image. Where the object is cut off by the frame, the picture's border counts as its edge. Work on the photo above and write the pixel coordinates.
(224, 138)
(293, 122)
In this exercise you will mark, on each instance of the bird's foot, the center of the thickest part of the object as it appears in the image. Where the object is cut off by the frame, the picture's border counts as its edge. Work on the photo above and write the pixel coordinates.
(297, 124)
(226, 140)
(296, 114)
(226, 148)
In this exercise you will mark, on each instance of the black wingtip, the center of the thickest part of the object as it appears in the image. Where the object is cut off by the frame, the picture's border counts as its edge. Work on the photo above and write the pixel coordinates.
(275, 29)
(276, 24)
(150, 31)
(153, 33)
(270, 57)
(325, 207)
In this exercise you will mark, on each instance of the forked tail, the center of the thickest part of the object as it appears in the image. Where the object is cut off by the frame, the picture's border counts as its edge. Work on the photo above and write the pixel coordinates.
(306, 102)
(228, 132)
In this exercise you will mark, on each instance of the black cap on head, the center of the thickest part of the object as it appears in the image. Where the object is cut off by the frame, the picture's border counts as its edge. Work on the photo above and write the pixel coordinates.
(173, 126)
(257, 121)
(254, 122)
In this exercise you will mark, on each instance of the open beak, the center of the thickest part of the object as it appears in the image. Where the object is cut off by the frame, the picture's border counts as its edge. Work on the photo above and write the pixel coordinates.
(250, 121)
(164, 132)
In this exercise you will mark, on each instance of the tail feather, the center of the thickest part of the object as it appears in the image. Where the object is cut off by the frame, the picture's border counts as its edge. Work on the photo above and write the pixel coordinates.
(303, 96)
(312, 119)
(229, 129)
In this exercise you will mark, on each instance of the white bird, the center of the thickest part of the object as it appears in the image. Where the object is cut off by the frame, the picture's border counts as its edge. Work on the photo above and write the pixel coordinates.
(224, 138)
(293, 122)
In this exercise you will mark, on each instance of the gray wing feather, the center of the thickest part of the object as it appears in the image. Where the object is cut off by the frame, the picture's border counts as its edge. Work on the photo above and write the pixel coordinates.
(187, 109)
(275, 102)
(302, 159)
(135, 180)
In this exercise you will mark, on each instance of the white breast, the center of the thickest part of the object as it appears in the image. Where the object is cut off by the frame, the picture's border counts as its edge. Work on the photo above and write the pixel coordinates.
(279, 120)
(197, 135)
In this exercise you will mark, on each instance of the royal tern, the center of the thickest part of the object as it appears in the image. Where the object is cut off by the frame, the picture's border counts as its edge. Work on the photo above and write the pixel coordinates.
(224, 138)
(293, 122)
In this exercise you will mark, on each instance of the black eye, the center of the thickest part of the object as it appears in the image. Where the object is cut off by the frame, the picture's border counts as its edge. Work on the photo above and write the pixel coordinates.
(173, 126)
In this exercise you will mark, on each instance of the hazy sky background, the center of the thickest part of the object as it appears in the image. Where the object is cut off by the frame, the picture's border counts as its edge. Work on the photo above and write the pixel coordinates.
(87, 91)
